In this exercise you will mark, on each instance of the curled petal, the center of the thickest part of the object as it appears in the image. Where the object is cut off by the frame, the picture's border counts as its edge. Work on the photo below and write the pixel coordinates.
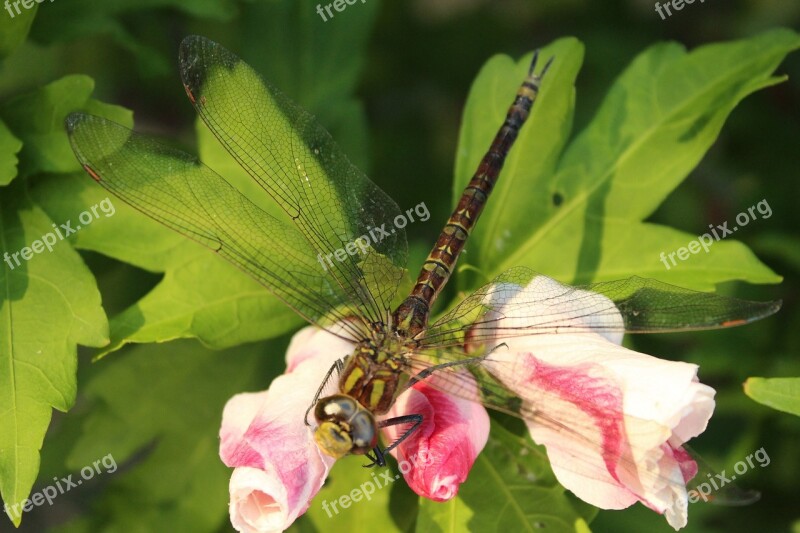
(279, 468)
(612, 420)
(258, 501)
(437, 457)
(319, 345)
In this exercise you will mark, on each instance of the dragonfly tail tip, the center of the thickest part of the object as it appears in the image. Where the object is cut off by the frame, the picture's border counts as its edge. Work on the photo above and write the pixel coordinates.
(547, 66)
(533, 62)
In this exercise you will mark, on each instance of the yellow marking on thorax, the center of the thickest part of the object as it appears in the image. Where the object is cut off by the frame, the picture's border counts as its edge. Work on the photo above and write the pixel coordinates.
(355, 375)
(378, 386)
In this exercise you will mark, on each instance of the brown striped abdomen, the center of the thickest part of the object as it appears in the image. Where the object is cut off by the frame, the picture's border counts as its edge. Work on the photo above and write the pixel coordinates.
(411, 317)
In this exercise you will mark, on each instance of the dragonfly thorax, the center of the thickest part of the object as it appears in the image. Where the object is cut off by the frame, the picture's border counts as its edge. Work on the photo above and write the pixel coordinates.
(344, 426)
(368, 385)
(374, 374)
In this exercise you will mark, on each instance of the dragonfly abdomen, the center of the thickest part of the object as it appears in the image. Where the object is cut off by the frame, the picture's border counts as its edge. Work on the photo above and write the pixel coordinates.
(411, 316)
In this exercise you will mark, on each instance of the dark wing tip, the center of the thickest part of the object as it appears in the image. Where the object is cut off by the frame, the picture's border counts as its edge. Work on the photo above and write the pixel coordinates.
(73, 120)
(772, 307)
(191, 49)
(197, 56)
(757, 311)
(764, 309)
(189, 43)
(734, 496)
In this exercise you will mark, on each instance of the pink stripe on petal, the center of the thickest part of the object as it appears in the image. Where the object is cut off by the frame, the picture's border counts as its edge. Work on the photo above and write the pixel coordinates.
(595, 396)
(279, 467)
(236, 418)
(685, 461)
(437, 458)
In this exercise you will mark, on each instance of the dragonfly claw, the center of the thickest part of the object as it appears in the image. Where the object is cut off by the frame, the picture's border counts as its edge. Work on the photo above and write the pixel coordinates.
(373, 463)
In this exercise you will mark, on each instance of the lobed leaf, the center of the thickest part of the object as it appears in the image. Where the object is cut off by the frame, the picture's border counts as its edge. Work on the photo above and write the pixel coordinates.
(580, 215)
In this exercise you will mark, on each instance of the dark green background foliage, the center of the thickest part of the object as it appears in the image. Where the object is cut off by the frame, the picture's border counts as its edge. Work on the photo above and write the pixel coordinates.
(641, 157)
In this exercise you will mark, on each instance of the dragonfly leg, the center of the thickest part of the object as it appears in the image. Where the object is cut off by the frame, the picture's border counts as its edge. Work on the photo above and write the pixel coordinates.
(338, 366)
(469, 361)
(430, 370)
(380, 455)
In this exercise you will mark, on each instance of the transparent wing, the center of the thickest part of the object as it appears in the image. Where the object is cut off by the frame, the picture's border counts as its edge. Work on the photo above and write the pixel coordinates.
(174, 188)
(576, 404)
(501, 309)
(283, 148)
(584, 440)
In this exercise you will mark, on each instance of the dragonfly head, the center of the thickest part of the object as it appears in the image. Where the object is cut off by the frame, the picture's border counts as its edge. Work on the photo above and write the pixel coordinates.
(343, 426)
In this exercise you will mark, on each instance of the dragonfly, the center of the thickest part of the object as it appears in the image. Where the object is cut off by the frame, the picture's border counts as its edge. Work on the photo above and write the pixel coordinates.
(322, 204)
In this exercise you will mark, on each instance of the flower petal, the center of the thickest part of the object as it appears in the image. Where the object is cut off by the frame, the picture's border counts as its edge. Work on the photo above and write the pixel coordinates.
(317, 344)
(239, 412)
(612, 419)
(437, 457)
(258, 501)
(279, 467)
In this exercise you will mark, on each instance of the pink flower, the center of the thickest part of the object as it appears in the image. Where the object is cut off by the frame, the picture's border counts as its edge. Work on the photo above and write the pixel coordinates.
(278, 468)
(436, 458)
(612, 420)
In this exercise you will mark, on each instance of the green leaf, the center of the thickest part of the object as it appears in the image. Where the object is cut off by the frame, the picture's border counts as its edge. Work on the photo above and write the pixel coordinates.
(38, 119)
(9, 146)
(533, 158)
(324, 67)
(201, 294)
(510, 488)
(782, 246)
(368, 504)
(48, 305)
(579, 216)
(79, 19)
(14, 29)
(321, 78)
(65, 21)
(782, 394)
(158, 408)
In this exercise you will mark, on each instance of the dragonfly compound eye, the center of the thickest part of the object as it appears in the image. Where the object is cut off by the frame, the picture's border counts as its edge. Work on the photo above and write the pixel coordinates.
(338, 407)
(364, 432)
(344, 426)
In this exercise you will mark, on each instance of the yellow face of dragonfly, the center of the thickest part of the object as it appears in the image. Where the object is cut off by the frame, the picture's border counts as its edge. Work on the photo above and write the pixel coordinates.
(344, 426)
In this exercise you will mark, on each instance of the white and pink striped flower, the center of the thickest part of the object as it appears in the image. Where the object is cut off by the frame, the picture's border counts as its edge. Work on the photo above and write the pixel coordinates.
(612, 420)
(626, 416)
(278, 468)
